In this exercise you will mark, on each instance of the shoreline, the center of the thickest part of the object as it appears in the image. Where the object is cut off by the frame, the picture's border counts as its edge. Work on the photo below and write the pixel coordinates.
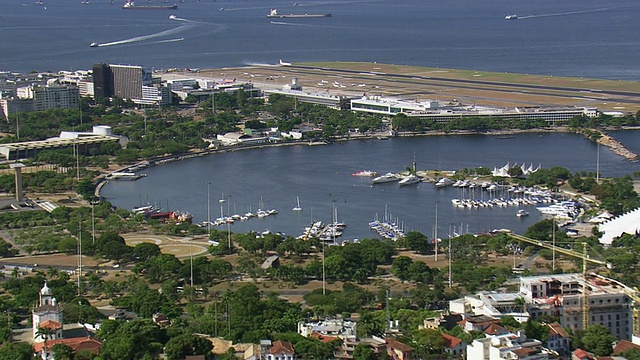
(615, 146)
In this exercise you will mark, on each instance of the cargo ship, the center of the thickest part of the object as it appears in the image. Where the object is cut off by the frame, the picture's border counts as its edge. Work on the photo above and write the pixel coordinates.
(130, 5)
(274, 14)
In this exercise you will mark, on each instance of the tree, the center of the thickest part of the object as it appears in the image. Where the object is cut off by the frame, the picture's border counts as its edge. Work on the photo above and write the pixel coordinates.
(418, 242)
(179, 347)
(62, 352)
(428, 341)
(46, 334)
(598, 340)
(400, 267)
(631, 354)
(536, 330)
(363, 352)
(16, 351)
(144, 251)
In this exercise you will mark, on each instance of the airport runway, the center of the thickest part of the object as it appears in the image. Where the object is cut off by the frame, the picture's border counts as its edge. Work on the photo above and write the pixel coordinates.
(468, 86)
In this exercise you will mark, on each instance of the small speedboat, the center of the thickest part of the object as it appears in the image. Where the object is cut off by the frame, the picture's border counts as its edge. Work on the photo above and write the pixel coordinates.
(522, 213)
(94, 44)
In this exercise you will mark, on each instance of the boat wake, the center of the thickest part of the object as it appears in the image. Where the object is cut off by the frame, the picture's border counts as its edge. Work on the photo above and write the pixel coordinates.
(308, 25)
(564, 13)
(167, 41)
(136, 39)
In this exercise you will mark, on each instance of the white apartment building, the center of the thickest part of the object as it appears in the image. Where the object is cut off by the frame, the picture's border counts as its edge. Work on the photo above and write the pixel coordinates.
(562, 295)
(508, 346)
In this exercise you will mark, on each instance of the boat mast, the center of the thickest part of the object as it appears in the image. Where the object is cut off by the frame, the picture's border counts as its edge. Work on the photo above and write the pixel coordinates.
(435, 232)
(598, 165)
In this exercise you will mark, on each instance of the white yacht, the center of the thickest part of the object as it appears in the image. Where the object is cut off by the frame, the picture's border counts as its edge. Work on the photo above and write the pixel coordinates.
(297, 207)
(411, 179)
(522, 213)
(444, 182)
(388, 177)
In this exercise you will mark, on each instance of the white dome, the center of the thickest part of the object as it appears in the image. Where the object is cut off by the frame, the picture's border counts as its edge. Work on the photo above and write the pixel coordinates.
(45, 290)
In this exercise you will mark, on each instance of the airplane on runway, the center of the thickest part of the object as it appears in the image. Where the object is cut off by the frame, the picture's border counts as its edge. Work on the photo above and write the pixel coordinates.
(284, 63)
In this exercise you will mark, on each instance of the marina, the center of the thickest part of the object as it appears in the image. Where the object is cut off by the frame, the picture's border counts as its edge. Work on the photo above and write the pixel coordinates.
(323, 178)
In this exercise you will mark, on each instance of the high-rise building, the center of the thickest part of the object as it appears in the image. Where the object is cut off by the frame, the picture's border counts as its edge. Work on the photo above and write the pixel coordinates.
(129, 82)
(102, 81)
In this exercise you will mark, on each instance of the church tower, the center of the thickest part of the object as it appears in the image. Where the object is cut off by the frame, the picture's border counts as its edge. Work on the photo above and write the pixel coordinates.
(48, 314)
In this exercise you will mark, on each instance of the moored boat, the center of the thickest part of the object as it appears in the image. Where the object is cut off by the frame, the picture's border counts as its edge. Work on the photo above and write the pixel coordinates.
(411, 179)
(365, 173)
(522, 213)
(388, 177)
(443, 182)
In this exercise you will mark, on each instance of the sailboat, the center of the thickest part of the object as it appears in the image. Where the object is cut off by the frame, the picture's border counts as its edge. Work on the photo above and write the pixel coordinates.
(297, 208)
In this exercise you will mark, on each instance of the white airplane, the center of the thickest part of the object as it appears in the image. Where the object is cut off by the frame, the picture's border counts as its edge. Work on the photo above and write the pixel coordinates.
(284, 63)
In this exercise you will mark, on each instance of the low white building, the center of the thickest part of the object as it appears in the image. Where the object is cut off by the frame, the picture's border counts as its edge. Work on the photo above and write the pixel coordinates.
(237, 139)
(628, 223)
(508, 346)
(330, 327)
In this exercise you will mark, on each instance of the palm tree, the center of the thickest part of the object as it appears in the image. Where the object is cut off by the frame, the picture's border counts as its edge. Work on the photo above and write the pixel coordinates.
(45, 333)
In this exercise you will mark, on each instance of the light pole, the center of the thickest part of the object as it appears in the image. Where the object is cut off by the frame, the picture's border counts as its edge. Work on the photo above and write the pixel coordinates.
(93, 223)
(208, 210)
(553, 238)
(191, 258)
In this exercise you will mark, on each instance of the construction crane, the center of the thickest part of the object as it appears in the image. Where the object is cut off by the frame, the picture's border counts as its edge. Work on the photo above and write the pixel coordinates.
(634, 295)
(585, 258)
(583, 255)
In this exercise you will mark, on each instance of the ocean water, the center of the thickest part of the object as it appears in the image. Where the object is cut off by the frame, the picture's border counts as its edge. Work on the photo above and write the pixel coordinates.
(590, 38)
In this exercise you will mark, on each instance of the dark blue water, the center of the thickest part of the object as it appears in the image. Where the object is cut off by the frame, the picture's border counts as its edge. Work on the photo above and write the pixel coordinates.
(590, 38)
(630, 138)
(321, 177)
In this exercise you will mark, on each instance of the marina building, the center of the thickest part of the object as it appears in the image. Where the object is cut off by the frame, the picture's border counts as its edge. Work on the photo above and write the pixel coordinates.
(627, 223)
(609, 302)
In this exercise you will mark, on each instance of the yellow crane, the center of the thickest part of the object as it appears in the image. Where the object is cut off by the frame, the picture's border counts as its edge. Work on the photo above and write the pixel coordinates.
(585, 258)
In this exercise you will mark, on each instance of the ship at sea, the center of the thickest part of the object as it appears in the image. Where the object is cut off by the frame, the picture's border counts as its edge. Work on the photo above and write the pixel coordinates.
(130, 5)
(274, 14)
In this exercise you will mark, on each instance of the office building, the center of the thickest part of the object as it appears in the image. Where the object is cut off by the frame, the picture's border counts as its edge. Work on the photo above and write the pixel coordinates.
(129, 82)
